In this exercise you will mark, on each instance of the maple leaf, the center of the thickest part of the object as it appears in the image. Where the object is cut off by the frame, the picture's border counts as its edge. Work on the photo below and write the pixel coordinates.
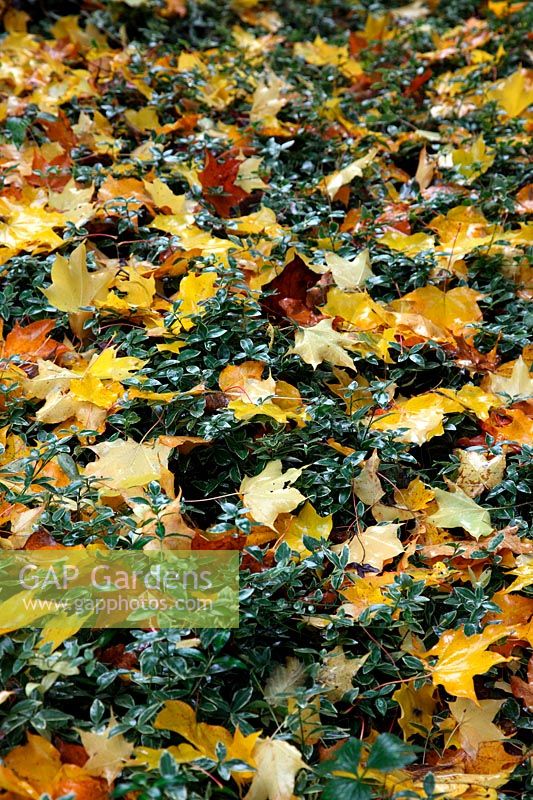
(454, 309)
(73, 286)
(130, 290)
(193, 292)
(201, 739)
(123, 464)
(35, 769)
(32, 341)
(108, 754)
(515, 93)
(321, 343)
(518, 383)
(357, 308)
(470, 162)
(283, 681)
(277, 763)
(460, 657)
(376, 545)
(478, 471)
(320, 53)
(332, 183)
(417, 709)
(306, 523)
(474, 724)
(366, 592)
(248, 175)
(218, 181)
(524, 574)
(271, 492)
(267, 100)
(458, 510)
(367, 485)
(349, 273)
(337, 671)
(411, 245)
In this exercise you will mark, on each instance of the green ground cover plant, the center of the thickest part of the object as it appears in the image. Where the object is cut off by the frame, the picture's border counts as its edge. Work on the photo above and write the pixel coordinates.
(266, 288)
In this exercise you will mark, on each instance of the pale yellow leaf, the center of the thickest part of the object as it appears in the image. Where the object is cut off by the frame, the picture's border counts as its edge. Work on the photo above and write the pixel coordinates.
(270, 493)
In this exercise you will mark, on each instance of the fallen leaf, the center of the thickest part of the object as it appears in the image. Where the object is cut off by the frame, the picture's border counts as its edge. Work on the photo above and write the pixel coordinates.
(458, 510)
(277, 764)
(123, 464)
(306, 523)
(374, 546)
(321, 343)
(367, 485)
(283, 681)
(73, 286)
(460, 657)
(417, 709)
(478, 471)
(337, 671)
(271, 493)
(474, 724)
(108, 754)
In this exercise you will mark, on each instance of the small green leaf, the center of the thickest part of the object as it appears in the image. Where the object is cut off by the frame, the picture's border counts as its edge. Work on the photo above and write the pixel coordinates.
(388, 753)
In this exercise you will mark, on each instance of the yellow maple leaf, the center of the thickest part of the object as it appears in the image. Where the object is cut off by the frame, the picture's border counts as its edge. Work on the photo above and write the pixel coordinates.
(474, 724)
(30, 228)
(519, 382)
(320, 54)
(331, 184)
(460, 657)
(201, 739)
(164, 197)
(410, 244)
(248, 175)
(277, 763)
(124, 463)
(357, 308)
(454, 310)
(193, 292)
(374, 546)
(471, 161)
(267, 100)
(367, 485)
(347, 273)
(515, 93)
(415, 497)
(366, 592)
(419, 418)
(73, 286)
(321, 343)
(108, 754)
(524, 574)
(458, 510)
(271, 493)
(106, 365)
(135, 291)
(417, 708)
(306, 523)
(479, 471)
(90, 389)
(337, 671)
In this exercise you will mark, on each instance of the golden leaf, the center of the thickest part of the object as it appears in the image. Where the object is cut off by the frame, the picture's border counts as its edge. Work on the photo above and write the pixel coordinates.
(460, 657)
(73, 286)
(376, 545)
(417, 709)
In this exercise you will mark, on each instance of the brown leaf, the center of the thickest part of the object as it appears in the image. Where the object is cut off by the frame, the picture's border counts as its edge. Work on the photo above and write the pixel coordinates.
(42, 540)
(290, 296)
(218, 181)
